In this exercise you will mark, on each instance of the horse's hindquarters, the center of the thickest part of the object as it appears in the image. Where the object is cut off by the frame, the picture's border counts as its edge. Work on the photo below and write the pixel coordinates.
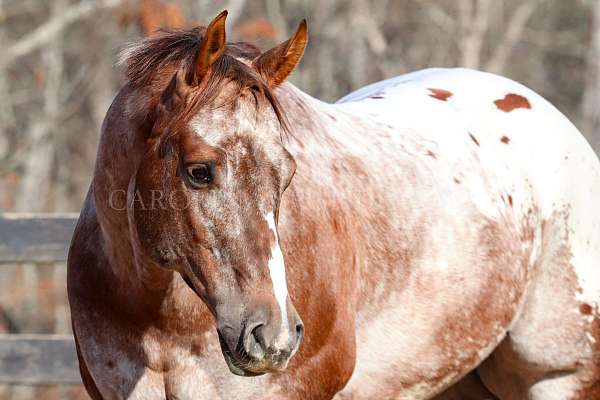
(551, 352)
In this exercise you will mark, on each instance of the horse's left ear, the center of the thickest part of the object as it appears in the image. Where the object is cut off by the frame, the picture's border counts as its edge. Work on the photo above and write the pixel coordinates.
(211, 48)
(276, 64)
(174, 94)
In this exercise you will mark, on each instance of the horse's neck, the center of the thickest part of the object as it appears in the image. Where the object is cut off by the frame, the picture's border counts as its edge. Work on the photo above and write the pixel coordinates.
(313, 122)
(117, 158)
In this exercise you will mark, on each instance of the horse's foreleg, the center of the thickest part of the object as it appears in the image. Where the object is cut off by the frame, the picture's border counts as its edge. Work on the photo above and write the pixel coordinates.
(88, 382)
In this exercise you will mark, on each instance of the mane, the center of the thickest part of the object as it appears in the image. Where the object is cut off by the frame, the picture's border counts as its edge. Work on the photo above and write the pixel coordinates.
(160, 56)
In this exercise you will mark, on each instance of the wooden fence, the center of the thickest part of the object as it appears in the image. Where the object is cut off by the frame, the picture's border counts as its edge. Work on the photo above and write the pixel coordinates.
(32, 359)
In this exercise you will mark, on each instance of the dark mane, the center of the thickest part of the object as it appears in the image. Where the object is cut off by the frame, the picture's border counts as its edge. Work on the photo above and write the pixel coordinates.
(160, 56)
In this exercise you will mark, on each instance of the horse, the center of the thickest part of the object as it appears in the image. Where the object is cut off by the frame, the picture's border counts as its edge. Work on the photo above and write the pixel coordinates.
(433, 234)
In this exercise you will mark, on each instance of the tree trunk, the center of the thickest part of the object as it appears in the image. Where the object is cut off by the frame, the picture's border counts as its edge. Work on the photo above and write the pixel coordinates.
(34, 191)
(590, 105)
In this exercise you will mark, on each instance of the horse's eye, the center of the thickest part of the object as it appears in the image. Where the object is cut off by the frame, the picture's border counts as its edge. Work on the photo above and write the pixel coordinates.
(199, 174)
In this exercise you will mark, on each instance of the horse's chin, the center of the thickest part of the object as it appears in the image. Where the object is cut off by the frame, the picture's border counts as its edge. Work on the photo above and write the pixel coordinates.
(232, 364)
(238, 370)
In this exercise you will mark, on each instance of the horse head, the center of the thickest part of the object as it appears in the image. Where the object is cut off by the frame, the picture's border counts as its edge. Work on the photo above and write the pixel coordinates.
(206, 193)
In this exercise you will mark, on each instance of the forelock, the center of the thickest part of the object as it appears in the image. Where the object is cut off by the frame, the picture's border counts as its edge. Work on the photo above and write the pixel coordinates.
(160, 56)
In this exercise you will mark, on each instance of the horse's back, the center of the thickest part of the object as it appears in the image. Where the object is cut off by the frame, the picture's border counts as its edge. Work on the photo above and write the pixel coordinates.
(525, 145)
(533, 168)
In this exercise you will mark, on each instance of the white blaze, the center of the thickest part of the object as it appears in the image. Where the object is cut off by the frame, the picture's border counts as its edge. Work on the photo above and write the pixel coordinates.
(277, 272)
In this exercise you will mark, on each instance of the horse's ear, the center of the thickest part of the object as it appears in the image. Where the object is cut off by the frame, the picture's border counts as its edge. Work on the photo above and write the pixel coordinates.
(170, 100)
(211, 47)
(173, 95)
(276, 64)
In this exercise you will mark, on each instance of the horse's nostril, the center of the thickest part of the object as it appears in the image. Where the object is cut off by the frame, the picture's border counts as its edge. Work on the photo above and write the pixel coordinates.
(255, 341)
(299, 332)
(257, 333)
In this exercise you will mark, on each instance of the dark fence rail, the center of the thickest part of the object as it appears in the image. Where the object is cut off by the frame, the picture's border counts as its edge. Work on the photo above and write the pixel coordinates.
(36, 359)
(35, 238)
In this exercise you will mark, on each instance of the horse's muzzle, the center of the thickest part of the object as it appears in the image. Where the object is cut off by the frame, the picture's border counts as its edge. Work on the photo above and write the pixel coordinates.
(261, 346)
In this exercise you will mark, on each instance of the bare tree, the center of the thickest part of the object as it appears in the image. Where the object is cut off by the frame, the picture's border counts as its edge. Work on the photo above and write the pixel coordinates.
(474, 17)
(37, 164)
(46, 32)
(515, 27)
(590, 105)
(47, 146)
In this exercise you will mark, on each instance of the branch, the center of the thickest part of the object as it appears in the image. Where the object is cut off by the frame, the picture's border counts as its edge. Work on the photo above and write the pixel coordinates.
(235, 8)
(562, 43)
(589, 102)
(7, 116)
(275, 14)
(440, 17)
(474, 28)
(35, 185)
(46, 32)
(517, 23)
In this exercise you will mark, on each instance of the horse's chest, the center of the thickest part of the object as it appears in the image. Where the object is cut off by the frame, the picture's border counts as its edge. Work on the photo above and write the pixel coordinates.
(169, 368)
(188, 381)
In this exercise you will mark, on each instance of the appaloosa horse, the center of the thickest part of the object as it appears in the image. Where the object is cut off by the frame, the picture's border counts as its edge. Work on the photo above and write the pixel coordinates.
(440, 228)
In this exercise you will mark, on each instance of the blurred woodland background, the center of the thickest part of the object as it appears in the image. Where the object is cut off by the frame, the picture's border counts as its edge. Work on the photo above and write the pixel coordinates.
(58, 75)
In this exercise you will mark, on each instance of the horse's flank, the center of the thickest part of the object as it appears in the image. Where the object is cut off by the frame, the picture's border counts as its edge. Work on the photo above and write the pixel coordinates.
(423, 224)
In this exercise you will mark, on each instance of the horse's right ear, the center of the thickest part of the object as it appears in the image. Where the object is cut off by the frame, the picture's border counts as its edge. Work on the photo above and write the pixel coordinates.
(276, 64)
(211, 48)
